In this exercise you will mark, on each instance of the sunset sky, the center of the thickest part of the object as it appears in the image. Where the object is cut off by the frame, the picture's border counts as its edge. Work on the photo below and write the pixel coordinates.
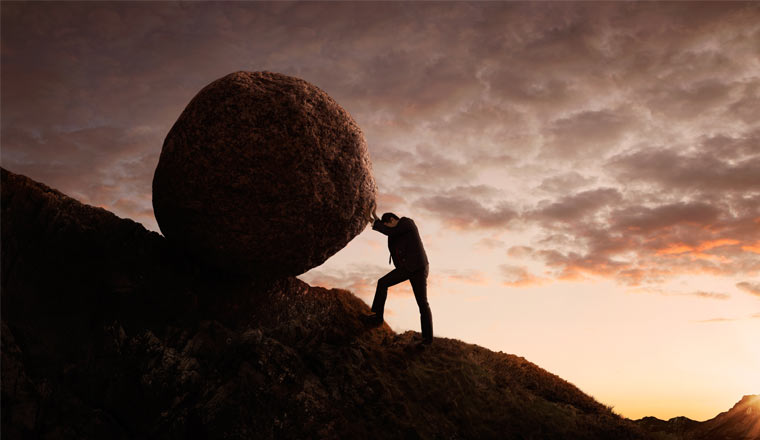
(585, 177)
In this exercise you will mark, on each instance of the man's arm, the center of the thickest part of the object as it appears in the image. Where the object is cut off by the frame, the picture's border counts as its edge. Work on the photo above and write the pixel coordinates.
(402, 227)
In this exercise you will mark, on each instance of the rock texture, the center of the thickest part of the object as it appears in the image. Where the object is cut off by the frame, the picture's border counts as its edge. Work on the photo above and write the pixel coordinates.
(263, 173)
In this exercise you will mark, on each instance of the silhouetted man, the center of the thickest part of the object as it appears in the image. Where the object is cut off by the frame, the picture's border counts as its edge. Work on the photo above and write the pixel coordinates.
(411, 264)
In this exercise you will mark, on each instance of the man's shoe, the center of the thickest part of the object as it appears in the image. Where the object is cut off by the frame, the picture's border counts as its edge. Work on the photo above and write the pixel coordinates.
(373, 319)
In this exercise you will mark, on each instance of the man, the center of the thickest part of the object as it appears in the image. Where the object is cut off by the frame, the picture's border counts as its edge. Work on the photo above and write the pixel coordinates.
(410, 263)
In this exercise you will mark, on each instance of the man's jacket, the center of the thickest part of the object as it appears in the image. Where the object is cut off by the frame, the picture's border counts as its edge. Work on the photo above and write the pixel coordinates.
(405, 244)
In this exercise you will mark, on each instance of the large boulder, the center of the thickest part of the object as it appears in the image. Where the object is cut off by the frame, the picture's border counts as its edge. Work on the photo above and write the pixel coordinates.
(263, 174)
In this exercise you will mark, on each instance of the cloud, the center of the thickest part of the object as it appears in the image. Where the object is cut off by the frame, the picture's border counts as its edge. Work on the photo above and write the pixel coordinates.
(101, 166)
(389, 202)
(642, 219)
(720, 164)
(463, 212)
(590, 132)
(753, 316)
(520, 251)
(435, 168)
(490, 243)
(361, 279)
(574, 265)
(568, 181)
(697, 294)
(716, 320)
(571, 208)
(473, 277)
(608, 233)
(390, 156)
(709, 295)
(753, 288)
(518, 276)
(690, 101)
(749, 101)
(432, 168)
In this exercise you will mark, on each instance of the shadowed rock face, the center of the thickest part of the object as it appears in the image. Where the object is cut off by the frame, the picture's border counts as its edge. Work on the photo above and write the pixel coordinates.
(263, 173)
(108, 333)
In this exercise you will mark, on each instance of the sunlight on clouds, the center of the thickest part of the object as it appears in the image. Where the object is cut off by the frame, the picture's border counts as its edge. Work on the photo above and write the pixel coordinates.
(755, 248)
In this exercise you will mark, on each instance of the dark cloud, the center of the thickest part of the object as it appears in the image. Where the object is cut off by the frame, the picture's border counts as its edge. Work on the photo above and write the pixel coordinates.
(464, 212)
(390, 156)
(465, 206)
(433, 168)
(569, 181)
(642, 219)
(572, 208)
(721, 164)
(702, 98)
(745, 107)
(588, 133)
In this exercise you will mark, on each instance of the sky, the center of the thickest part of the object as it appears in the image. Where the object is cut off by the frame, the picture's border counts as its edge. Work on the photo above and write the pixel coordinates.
(585, 176)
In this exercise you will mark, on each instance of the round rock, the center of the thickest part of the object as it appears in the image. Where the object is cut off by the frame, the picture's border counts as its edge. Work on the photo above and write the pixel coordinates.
(263, 174)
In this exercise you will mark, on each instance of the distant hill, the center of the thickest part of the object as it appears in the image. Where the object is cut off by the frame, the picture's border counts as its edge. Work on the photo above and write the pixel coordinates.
(108, 332)
(742, 422)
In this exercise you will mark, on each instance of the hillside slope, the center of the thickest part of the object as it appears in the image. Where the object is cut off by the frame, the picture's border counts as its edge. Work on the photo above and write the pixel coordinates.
(107, 332)
(741, 422)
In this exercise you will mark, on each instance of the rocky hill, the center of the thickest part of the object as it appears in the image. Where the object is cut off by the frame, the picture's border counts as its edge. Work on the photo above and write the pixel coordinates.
(109, 332)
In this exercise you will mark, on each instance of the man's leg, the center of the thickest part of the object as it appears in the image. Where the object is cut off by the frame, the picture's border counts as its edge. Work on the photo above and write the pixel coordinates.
(419, 286)
(381, 293)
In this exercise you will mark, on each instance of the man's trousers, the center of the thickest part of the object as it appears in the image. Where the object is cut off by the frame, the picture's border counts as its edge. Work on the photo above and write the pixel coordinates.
(419, 286)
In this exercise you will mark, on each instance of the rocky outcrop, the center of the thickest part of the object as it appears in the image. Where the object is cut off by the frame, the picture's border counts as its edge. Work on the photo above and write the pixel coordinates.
(263, 173)
(108, 333)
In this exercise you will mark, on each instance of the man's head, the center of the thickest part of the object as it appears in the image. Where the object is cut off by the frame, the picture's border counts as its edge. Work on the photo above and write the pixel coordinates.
(389, 219)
